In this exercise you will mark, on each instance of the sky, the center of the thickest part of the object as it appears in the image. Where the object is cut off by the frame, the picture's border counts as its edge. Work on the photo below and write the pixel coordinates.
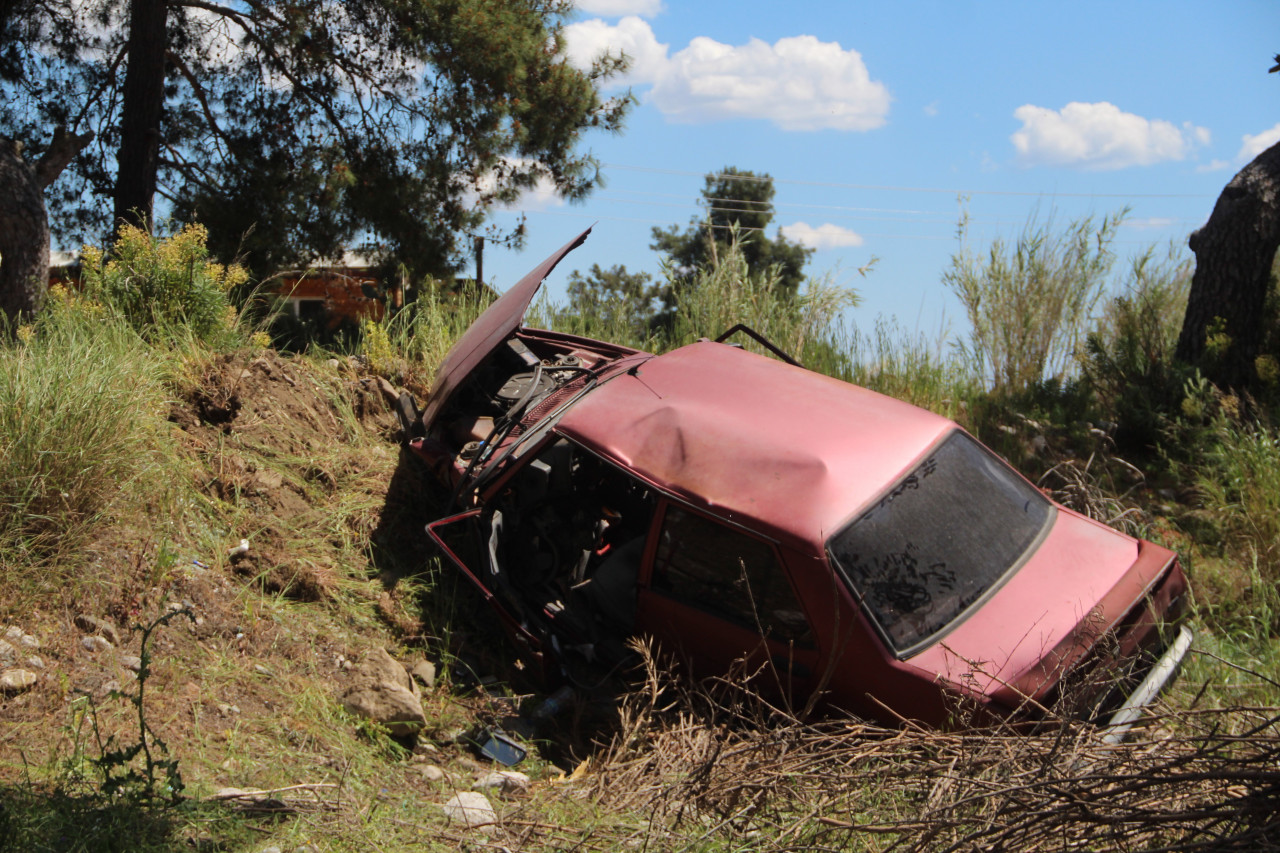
(882, 122)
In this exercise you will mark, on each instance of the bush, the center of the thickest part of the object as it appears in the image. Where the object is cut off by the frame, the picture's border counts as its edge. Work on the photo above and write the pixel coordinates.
(163, 287)
(1029, 305)
(1128, 360)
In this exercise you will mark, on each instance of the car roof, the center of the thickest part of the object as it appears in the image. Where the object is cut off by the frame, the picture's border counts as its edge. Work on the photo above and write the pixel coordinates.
(778, 448)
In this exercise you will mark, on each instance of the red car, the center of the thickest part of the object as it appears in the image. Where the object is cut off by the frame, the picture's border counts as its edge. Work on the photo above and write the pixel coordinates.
(732, 505)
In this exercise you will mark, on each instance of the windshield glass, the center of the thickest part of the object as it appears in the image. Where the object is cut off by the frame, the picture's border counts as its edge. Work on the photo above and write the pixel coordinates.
(939, 540)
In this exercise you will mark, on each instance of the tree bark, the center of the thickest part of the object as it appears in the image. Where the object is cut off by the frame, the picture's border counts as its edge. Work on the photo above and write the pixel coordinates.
(24, 221)
(142, 107)
(1234, 253)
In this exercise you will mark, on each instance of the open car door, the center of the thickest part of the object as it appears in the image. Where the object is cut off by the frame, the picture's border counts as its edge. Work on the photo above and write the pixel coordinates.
(467, 540)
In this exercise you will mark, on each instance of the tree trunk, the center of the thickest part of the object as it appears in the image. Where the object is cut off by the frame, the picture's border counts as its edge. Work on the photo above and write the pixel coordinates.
(24, 235)
(141, 109)
(24, 221)
(1234, 253)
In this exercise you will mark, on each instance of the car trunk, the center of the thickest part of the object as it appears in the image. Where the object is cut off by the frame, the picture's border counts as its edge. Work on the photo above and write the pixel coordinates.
(1084, 603)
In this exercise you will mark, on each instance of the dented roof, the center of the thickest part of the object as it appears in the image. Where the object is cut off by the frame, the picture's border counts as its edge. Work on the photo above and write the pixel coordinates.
(752, 438)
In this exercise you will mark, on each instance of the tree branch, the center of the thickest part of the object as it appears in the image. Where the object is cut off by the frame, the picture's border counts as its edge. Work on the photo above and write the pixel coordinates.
(62, 150)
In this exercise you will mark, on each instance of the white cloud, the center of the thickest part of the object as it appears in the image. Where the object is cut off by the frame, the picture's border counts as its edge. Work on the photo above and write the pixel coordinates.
(586, 40)
(618, 8)
(825, 236)
(1099, 136)
(1150, 222)
(1213, 166)
(1256, 144)
(798, 83)
(931, 109)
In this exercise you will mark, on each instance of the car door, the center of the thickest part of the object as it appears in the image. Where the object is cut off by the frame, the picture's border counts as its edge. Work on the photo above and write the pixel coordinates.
(715, 594)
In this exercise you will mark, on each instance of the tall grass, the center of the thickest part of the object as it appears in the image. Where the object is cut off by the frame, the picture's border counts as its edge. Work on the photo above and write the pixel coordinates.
(82, 419)
(425, 329)
(1029, 304)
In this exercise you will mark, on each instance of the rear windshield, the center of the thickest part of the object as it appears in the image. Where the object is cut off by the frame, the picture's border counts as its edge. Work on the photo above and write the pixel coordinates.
(939, 540)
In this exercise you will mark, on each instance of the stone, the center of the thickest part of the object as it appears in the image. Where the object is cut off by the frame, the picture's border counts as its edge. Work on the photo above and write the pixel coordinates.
(382, 690)
(504, 781)
(470, 808)
(381, 668)
(389, 704)
(425, 672)
(7, 652)
(17, 680)
(35, 662)
(131, 662)
(95, 643)
(432, 773)
(93, 625)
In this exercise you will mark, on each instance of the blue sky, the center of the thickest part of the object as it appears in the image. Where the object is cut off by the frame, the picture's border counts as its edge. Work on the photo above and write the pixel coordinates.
(875, 118)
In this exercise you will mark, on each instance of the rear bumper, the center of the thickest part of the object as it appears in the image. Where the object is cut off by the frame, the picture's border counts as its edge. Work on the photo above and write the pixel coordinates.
(1145, 693)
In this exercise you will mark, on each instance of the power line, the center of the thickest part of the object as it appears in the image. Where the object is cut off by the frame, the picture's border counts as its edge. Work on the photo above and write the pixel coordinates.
(890, 188)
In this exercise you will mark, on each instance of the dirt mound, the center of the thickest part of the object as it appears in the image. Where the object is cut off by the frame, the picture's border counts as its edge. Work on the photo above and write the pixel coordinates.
(276, 438)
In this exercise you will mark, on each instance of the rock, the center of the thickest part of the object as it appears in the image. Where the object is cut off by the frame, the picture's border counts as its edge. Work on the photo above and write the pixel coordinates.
(17, 636)
(432, 773)
(425, 672)
(131, 662)
(381, 690)
(389, 704)
(504, 781)
(7, 652)
(470, 808)
(95, 643)
(16, 680)
(378, 667)
(35, 662)
(388, 391)
(93, 625)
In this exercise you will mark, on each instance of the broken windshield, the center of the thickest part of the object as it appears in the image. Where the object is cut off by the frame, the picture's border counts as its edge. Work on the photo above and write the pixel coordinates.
(936, 543)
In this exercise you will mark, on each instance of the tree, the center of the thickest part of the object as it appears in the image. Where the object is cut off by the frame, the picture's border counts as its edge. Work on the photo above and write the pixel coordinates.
(620, 301)
(295, 127)
(24, 221)
(1222, 330)
(738, 202)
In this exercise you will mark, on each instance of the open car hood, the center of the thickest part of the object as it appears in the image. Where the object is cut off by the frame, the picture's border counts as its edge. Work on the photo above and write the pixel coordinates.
(489, 330)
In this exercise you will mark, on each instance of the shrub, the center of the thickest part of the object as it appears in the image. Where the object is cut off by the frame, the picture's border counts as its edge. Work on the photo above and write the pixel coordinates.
(1128, 360)
(163, 287)
(1029, 305)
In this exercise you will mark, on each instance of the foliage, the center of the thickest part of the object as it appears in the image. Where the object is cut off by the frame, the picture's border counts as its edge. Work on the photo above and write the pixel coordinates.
(617, 299)
(728, 291)
(1239, 476)
(739, 209)
(163, 286)
(294, 128)
(1029, 304)
(1128, 359)
(158, 778)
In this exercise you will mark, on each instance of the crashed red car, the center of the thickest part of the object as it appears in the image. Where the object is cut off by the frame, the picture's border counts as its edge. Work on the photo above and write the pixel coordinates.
(735, 506)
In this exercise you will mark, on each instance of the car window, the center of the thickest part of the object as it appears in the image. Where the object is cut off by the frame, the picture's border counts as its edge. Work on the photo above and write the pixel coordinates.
(722, 570)
(948, 532)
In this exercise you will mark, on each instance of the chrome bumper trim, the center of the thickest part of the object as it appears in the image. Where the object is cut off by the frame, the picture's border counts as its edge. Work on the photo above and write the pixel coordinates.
(1122, 720)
